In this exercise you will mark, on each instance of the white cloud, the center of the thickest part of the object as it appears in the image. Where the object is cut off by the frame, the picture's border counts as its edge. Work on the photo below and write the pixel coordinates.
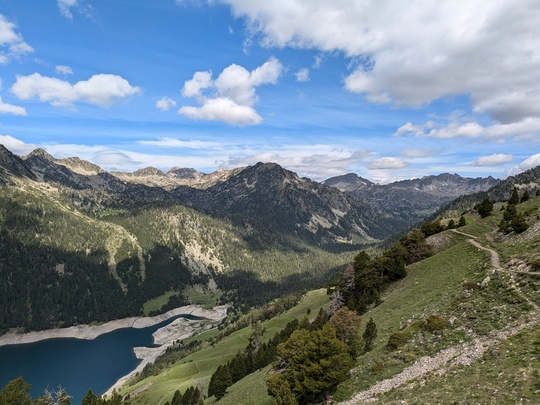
(113, 159)
(386, 163)
(66, 8)
(102, 90)
(16, 145)
(496, 159)
(231, 96)
(167, 142)
(11, 42)
(411, 53)
(223, 109)
(64, 70)
(302, 75)
(528, 128)
(165, 103)
(6, 108)
(417, 153)
(529, 163)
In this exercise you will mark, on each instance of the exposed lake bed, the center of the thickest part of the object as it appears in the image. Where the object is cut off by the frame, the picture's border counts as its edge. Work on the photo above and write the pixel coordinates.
(99, 357)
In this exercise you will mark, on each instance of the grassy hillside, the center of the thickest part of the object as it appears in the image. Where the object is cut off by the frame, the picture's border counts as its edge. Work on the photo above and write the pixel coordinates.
(490, 334)
(197, 368)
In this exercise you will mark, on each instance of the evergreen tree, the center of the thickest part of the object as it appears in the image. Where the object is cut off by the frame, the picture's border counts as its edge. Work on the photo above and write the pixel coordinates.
(462, 221)
(312, 363)
(320, 321)
(538, 193)
(90, 399)
(370, 334)
(485, 208)
(510, 212)
(220, 381)
(177, 398)
(519, 224)
(451, 224)
(16, 392)
(283, 393)
(525, 197)
(514, 199)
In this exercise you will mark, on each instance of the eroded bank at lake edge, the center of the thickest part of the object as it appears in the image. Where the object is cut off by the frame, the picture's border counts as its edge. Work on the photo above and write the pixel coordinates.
(89, 332)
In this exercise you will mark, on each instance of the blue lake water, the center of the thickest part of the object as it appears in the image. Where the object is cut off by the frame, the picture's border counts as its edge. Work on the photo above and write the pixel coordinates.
(76, 364)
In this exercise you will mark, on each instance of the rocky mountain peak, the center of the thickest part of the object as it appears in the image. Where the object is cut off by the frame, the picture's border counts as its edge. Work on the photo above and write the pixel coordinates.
(348, 182)
(148, 171)
(80, 166)
(184, 173)
(40, 153)
(12, 164)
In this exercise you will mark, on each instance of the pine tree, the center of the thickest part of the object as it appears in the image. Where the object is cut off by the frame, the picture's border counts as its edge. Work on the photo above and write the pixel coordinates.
(451, 224)
(220, 381)
(514, 199)
(16, 392)
(284, 395)
(311, 363)
(519, 224)
(526, 196)
(462, 221)
(370, 334)
(485, 208)
(91, 399)
(177, 398)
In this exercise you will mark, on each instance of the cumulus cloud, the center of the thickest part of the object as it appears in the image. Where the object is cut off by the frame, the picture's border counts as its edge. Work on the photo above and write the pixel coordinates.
(16, 145)
(6, 108)
(102, 90)
(63, 70)
(12, 44)
(496, 159)
(529, 163)
(528, 128)
(165, 103)
(386, 163)
(231, 96)
(302, 75)
(411, 53)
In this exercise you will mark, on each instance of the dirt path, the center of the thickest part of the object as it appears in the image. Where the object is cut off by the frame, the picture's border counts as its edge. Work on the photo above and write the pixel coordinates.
(453, 356)
(443, 361)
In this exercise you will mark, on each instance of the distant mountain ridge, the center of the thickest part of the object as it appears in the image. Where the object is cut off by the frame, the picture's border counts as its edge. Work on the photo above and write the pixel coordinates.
(341, 209)
(412, 200)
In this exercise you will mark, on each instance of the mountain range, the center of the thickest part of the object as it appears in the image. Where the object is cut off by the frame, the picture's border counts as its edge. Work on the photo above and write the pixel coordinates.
(142, 234)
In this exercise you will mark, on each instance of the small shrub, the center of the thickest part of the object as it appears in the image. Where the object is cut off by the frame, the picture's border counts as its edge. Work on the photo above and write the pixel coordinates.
(398, 339)
(435, 322)
(470, 285)
(377, 366)
(535, 265)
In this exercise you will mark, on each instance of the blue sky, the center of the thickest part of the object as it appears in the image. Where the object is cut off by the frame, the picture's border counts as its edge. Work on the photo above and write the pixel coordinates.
(388, 90)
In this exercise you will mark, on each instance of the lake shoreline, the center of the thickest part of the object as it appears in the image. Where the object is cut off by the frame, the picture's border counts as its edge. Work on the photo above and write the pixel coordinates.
(90, 332)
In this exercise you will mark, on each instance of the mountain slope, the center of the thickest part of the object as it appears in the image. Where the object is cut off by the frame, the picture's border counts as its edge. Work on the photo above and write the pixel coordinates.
(411, 200)
(274, 201)
(528, 180)
(489, 334)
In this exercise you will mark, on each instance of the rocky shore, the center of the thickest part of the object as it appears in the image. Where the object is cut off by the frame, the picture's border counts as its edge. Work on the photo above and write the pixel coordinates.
(90, 332)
